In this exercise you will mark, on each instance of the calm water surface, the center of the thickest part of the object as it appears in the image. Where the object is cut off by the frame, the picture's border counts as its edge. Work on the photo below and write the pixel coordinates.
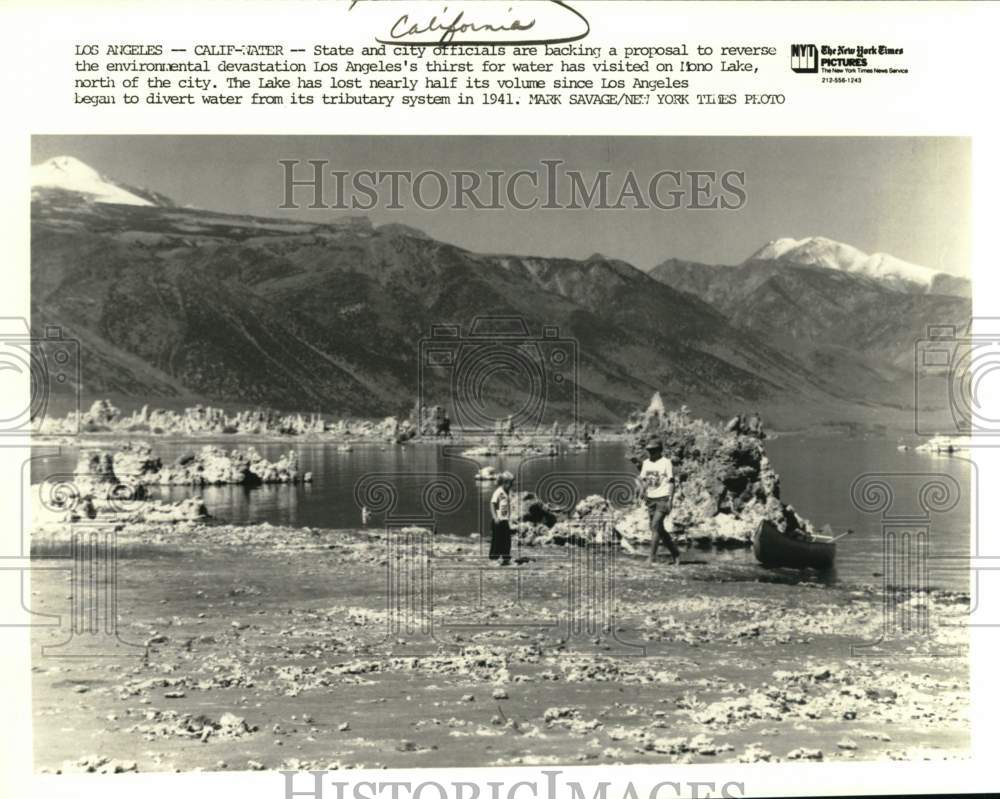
(816, 477)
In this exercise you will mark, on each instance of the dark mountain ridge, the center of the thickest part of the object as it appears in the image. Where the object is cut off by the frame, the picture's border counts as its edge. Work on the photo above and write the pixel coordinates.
(172, 304)
(854, 329)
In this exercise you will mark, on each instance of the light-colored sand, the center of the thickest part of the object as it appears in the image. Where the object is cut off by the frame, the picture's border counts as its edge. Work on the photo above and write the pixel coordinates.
(267, 647)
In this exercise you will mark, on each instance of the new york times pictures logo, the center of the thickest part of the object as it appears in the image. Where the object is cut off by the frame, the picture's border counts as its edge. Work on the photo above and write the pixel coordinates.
(846, 59)
(805, 58)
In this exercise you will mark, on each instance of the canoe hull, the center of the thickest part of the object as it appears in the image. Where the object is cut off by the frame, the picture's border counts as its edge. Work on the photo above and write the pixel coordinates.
(772, 548)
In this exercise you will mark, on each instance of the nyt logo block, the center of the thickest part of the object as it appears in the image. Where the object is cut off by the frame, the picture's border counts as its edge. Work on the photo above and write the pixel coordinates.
(805, 58)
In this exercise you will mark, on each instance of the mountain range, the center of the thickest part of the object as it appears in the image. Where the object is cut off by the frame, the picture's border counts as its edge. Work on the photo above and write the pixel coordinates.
(177, 305)
(889, 271)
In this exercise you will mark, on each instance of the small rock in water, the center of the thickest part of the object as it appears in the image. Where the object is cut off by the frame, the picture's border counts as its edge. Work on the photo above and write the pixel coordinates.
(755, 753)
(667, 746)
(703, 745)
(500, 693)
(802, 753)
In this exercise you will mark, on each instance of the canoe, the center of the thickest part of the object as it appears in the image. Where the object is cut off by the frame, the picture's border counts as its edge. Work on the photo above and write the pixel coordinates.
(772, 548)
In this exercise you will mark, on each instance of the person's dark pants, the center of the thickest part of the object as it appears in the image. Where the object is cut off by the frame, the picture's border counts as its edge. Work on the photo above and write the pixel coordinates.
(659, 509)
(500, 542)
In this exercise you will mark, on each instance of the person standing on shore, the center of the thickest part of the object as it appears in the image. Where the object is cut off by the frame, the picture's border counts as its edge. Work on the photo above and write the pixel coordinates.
(500, 512)
(657, 478)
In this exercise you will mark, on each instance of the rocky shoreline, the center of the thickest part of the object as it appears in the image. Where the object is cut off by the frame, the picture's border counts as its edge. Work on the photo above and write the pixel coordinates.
(114, 486)
(725, 488)
(423, 425)
(263, 647)
(257, 646)
(104, 422)
(725, 483)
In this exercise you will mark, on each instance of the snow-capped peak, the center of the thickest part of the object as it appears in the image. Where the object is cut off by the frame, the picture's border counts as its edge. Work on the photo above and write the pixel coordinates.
(823, 252)
(71, 174)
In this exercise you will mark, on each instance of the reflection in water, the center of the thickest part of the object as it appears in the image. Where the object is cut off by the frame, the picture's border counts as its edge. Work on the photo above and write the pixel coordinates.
(816, 477)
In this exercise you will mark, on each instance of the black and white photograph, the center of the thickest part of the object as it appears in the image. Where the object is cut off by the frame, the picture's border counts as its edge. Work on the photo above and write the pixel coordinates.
(356, 452)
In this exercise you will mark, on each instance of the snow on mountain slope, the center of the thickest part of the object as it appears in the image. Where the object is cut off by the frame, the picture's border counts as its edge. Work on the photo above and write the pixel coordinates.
(823, 252)
(70, 174)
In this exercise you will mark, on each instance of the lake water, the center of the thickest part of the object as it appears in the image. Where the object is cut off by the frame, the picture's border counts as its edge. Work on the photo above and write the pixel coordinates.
(816, 477)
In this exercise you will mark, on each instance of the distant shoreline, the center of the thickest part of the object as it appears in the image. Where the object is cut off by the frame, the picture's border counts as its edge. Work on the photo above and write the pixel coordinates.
(110, 438)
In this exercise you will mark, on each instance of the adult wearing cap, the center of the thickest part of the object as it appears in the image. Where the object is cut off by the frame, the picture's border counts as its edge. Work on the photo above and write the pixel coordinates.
(657, 478)
(500, 511)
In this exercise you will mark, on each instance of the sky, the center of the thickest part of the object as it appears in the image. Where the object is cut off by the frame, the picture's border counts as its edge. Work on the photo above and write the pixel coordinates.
(909, 197)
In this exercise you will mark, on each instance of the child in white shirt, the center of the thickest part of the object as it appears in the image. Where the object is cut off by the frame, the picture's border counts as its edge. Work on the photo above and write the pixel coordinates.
(500, 512)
